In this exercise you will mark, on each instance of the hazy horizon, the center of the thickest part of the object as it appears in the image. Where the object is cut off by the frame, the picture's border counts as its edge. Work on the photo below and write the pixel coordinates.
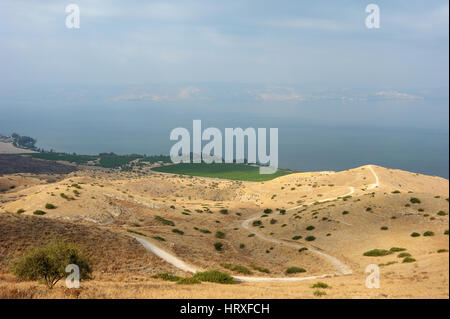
(341, 94)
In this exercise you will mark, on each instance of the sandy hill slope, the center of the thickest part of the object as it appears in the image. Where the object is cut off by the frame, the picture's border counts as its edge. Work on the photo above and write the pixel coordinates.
(337, 216)
(8, 148)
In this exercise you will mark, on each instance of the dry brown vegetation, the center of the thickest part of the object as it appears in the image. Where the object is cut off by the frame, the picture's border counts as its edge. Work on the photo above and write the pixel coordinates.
(106, 205)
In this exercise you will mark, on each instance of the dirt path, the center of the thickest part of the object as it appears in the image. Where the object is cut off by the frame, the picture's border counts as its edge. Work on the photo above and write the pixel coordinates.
(341, 268)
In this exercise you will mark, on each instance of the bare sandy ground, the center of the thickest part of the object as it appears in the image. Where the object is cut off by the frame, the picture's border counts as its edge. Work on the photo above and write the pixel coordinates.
(8, 148)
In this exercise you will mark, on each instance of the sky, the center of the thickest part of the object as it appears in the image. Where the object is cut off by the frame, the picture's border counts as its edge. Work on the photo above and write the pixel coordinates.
(160, 64)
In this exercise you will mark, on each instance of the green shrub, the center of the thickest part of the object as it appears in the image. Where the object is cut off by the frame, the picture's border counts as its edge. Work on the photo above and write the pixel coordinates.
(48, 263)
(403, 255)
(302, 249)
(257, 223)
(273, 221)
(345, 212)
(408, 260)
(136, 232)
(241, 246)
(446, 232)
(319, 293)
(442, 251)
(297, 237)
(415, 200)
(310, 228)
(20, 211)
(384, 228)
(295, 270)
(415, 234)
(50, 206)
(260, 269)
(218, 246)
(267, 211)
(167, 277)
(224, 211)
(177, 231)
(377, 252)
(442, 213)
(220, 234)
(237, 268)
(39, 212)
(158, 238)
(188, 281)
(396, 192)
(164, 221)
(214, 276)
(310, 238)
(428, 233)
(320, 285)
(396, 249)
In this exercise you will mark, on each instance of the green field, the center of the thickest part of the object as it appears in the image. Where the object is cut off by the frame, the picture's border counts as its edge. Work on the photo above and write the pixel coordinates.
(240, 172)
(106, 160)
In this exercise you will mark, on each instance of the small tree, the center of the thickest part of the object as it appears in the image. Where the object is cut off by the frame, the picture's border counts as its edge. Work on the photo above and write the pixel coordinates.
(48, 263)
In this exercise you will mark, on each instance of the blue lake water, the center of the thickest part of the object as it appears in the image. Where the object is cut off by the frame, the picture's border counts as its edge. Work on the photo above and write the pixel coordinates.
(341, 141)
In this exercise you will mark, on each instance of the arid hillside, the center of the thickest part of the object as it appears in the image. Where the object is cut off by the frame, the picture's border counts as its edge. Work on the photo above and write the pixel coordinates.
(320, 222)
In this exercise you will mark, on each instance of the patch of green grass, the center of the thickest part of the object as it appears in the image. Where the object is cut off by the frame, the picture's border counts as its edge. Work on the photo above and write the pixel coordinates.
(136, 232)
(231, 171)
(321, 285)
(397, 249)
(164, 221)
(408, 260)
(295, 270)
(167, 277)
(214, 276)
(237, 268)
(204, 231)
(319, 293)
(177, 231)
(39, 212)
(388, 263)
(218, 246)
(260, 269)
(220, 234)
(377, 252)
(188, 281)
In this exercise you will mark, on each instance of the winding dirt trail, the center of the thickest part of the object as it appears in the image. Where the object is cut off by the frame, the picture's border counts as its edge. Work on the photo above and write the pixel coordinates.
(341, 268)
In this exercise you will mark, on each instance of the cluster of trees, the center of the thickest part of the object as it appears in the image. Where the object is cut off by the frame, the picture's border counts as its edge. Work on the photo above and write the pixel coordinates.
(24, 141)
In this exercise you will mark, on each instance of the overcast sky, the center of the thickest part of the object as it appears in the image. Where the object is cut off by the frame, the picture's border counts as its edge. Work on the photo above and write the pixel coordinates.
(234, 54)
